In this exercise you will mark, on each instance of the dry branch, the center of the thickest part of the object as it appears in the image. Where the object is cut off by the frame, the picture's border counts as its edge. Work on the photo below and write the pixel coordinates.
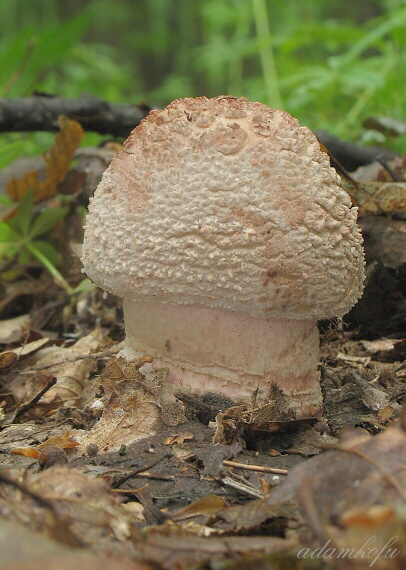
(40, 113)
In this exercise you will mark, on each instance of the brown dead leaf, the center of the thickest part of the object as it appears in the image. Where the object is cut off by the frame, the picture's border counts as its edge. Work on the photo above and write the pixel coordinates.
(13, 329)
(377, 198)
(265, 486)
(208, 505)
(376, 463)
(274, 453)
(132, 407)
(30, 347)
(372, 517)
(385, 414)
(10, 357)
(96, 507)
(7, 359)
(179, 439)
(25, 451)
(30, 434)
(118, 369)
(71, 366)
(131, 413)
(57, 160)
(93, 514)
(65, 441)
(25, 549)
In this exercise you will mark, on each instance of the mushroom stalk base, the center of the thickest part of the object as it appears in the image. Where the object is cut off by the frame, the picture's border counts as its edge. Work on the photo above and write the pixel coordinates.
(209, 350)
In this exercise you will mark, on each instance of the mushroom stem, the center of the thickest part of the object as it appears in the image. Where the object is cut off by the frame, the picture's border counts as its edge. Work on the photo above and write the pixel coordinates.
(214, 350)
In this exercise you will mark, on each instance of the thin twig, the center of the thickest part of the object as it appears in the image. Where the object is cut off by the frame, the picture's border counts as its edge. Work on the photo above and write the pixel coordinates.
(149, 507)
(340, 168)
(157, 476)
(242, 487)
(259, 468)
(130, 491)
(23, 409)
(139, 470)
(388, 169)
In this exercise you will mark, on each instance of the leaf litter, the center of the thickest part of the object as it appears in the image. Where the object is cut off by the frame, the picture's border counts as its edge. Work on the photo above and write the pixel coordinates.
(95, 463)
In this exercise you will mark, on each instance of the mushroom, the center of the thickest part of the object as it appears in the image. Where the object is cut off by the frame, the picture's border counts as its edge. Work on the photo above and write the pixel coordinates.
(225, 230)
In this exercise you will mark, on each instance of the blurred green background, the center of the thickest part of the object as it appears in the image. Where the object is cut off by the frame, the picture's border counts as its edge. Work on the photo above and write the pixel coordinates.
(332, 64)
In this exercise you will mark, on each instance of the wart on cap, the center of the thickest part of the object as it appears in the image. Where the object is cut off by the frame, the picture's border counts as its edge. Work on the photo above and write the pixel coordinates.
(226, 231)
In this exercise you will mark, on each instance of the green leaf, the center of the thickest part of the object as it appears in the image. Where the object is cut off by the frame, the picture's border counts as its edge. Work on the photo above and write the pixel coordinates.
(84, 286)
(8, 234)
(8, 249)
(45, 48)
(24, 212)
(13, 51)
(50, 266)
(46, 220)
(23, 257)
(48, 251)
(5, 200)
(397, 19)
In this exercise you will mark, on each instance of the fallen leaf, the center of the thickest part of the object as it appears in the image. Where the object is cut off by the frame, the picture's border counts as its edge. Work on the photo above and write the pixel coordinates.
(274, 453)
(65, 441)
(377, 198)
(13, 329)
(385, 414)
(94, 515)
(9, 357)
(25, 451)
(71, 366)
(57, 161)
(30, 347)
(179, 439)
(131, 413)
(25, 549)
(208, 505)
(368, 518)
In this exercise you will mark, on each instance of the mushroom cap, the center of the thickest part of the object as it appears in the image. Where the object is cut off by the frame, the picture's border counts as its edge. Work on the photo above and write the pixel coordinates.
(226, 204)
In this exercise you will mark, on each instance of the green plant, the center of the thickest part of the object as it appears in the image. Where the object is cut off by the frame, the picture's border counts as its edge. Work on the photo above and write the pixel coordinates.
(330, 64)
(20, 238)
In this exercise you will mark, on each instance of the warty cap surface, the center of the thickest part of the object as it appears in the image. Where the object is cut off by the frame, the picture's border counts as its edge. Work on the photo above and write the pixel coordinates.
(227, 204)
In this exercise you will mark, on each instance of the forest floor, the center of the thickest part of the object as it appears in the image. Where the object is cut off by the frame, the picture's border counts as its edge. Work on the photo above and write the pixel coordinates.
(94, 471)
